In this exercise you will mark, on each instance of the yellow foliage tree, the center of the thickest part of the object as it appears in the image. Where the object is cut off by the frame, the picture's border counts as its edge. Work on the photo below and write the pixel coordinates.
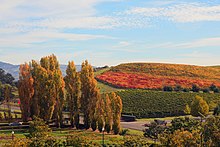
(73, 85)
(25, 90)
(199, 106)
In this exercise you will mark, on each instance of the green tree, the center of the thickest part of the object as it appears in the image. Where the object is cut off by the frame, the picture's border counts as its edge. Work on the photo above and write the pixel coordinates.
(198, 106)
(73, 85)
(6, 78)
(7, 93)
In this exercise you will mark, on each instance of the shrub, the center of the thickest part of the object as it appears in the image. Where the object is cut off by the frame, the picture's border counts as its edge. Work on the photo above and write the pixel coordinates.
(195, 88)
(38, 129)
(187, 110)
(178, 88)
(1, 116)
(217, 110)
(134, 141)
(74, 140)
(199, 106)
(167, 88)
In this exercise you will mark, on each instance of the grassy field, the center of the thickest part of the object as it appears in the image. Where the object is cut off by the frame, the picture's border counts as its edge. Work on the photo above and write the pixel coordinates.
(88, 135)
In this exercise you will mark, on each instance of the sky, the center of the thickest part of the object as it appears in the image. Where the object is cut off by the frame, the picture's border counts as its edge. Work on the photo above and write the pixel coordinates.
(111, 32)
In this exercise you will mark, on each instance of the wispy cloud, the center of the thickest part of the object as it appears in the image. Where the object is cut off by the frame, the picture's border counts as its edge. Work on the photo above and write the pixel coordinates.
(28, 39)
(198, 43)
(182, 12)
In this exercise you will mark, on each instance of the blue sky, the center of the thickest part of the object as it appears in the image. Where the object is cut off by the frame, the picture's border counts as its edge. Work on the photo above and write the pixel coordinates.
(110, 32)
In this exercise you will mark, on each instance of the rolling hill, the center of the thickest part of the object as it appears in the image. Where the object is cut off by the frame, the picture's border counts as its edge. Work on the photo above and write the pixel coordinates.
(157, 75)
(14, 69)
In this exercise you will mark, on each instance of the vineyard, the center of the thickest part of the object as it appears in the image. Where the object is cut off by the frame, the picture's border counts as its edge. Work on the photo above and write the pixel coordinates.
(144, 103)
(155, 76)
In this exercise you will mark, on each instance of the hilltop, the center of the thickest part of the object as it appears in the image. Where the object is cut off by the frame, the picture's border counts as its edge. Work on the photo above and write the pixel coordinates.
(157, 75)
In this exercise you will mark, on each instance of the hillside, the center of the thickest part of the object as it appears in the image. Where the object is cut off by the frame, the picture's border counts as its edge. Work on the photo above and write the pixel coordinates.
(149, 103)
(157, 75)
(14, 69)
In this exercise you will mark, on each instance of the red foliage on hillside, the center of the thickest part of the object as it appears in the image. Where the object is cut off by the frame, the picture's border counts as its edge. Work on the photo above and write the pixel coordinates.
(147, 81)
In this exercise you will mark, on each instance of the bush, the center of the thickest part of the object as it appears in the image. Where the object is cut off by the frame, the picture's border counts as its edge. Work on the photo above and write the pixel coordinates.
(199, 106)
(217, 110)
(1, 116)
(168, 88)
(74, 140)
(195, 88)
(187, 110)
(38, 129)
(123, 132)
(178, 88)
(206, 90)
(134, 141)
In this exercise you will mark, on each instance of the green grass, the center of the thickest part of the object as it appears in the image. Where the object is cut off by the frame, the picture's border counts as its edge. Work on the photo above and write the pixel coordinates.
(103, 87)
(106, 89)
(99, 72)
(135, 132)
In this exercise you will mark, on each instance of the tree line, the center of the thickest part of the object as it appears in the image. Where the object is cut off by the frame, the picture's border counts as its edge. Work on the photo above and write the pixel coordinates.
(43, 92)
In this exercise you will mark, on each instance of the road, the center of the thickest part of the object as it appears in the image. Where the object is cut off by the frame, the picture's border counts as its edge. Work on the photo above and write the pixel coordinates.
(134, 125)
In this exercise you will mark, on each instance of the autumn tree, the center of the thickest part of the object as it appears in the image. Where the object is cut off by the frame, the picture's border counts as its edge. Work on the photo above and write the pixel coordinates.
(100, 114)
(116, 104)
(185, 138)
(49, 89)
(198, 106)
(90, 94)
(108, 114)
(73, 85)
(25, 90)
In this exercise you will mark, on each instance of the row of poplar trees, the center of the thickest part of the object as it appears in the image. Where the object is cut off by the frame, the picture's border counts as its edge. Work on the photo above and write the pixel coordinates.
(43, 92)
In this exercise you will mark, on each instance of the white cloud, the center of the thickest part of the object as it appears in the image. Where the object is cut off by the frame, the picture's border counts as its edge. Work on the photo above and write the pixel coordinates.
(199, 43)
(182, 13)
(27, 39)
(205, 42)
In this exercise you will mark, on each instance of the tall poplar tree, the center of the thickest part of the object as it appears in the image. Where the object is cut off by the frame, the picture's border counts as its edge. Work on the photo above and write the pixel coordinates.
(116, 104)
(108, 114)
(49, 89)
(100, 115)
(73, 87)
(25, 90)
(90, 94)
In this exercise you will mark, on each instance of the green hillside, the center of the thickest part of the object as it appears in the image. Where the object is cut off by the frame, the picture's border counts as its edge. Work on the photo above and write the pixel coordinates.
(145, 103)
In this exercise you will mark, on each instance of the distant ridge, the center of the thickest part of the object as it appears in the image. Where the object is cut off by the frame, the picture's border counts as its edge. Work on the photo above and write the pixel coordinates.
(14, 69)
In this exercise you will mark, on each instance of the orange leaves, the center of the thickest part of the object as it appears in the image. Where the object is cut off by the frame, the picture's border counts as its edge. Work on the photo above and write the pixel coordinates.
(157, 75)
(149, 81)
